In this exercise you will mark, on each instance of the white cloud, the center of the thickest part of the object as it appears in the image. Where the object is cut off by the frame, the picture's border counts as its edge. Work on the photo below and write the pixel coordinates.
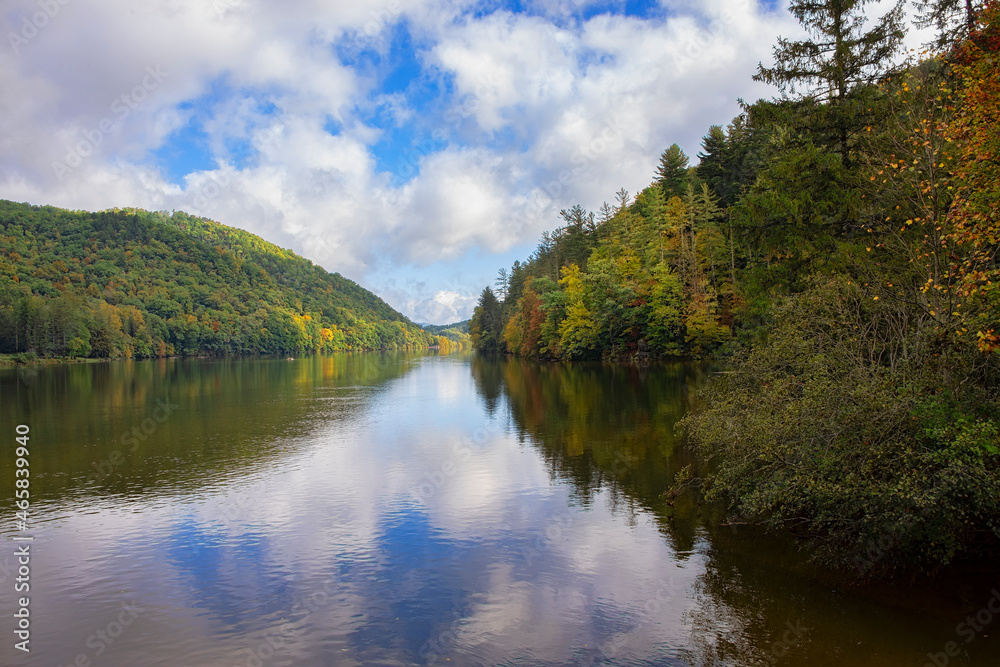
(445, 307)
(546, 114)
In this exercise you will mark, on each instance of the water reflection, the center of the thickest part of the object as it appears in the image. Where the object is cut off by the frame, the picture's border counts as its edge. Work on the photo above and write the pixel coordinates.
(406, 509)
(755, 600)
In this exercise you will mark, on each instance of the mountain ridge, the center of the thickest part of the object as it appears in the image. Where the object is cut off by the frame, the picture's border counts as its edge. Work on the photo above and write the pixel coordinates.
(136, 283)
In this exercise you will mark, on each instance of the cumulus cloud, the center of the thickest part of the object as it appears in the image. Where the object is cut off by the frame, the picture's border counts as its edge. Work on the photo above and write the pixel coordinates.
(531, 112)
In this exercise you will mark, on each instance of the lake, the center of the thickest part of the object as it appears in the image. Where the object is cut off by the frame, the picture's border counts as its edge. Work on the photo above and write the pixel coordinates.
(412, 509)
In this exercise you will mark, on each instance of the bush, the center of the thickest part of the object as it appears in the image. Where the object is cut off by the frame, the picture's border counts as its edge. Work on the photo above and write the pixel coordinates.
(871, 431)
(25, 358)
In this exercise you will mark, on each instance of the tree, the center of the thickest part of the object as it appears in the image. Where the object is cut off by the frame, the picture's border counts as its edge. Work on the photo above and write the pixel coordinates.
(486, 327)
(523, 333)
(665, 324)
(713, 165)
(954, 20)
(976, 213)
(606, 213)
(671, 174)
(502, 282)
(836, 67)
(615, 305)
(575, 236)
(623, 198)
(577, 333)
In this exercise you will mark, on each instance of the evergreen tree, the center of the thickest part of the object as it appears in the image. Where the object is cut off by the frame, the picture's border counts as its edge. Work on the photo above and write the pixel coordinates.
(487, 325)
(714, 162)
(834, 69)
(623, 198)
(606, 213)
(953, 19)
(671, 174)
(503, 282)
(576, 236)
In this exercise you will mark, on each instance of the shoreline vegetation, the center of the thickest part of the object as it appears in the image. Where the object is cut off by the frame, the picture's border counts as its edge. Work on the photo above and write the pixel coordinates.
(129, 283)
(30, 359)
(840, 247)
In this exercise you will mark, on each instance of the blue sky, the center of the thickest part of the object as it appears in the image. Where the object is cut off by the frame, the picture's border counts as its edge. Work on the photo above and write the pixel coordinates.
(413, 146)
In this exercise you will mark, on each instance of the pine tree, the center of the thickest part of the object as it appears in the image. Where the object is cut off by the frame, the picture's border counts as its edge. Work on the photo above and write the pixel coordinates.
(486, 326)
(671, 174)
(953, 19)
(713, 161)
(502, 282)
(623, 198)
(841, 62)
(606, 213)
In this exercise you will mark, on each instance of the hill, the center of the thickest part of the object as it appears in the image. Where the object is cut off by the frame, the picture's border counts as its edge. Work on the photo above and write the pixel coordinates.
(134, 283)
(456, 334)
(454, 329)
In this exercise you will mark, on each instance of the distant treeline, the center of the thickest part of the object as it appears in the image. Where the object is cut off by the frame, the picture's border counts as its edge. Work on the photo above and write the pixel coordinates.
(132, 283)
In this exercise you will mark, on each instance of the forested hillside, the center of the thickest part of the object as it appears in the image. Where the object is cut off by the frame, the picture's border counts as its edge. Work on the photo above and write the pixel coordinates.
(131, 283)
(839, 244)
(882, 172)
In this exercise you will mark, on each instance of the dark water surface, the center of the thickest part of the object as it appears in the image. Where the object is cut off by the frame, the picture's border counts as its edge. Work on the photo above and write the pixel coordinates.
(411, 509)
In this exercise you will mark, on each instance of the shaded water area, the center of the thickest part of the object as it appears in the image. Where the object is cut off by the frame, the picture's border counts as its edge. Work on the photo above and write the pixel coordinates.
(412, 509)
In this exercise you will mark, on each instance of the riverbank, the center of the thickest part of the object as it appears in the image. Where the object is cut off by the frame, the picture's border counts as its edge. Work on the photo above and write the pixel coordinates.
(30, 358)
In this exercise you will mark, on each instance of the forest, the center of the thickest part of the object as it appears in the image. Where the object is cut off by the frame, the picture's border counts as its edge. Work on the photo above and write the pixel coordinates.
(128, 283)
(837, 247)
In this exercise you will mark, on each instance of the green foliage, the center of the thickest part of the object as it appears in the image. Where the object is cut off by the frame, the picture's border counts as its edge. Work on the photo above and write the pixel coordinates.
(650, 267)
(455, 336)
(665, 319)
(953, 20)
(456, 327)
(486, 326)
(844, 246)
(837, 67)
(854, 421)
(577, 332)
(130, 283)
(671, 173)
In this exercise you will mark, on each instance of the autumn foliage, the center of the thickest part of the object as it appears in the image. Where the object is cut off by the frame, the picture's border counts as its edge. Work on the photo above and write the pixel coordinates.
(975, 216)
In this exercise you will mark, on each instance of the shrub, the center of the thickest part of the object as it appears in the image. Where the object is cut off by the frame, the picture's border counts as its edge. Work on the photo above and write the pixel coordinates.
(869, 430)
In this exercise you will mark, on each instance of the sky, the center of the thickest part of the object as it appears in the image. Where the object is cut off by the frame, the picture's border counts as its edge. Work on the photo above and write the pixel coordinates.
(414, 146)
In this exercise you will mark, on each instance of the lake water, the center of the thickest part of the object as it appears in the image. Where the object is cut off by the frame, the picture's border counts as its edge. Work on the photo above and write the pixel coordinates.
(411, 509)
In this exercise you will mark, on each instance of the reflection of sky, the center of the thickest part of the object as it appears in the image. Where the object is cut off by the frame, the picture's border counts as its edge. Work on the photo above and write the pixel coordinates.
(488, 564)
(491, 563)
(227, 575)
